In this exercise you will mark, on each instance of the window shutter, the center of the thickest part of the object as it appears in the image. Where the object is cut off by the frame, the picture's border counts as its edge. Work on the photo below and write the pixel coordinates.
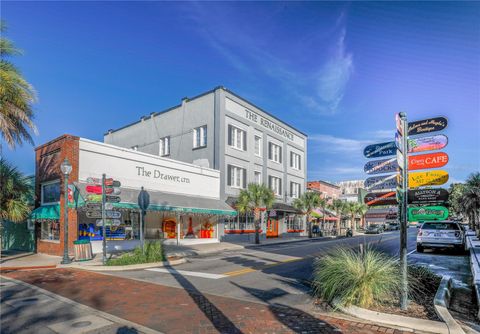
(291, 189)
(230, 135)
(229, 175)
(269, 182)
(244, 178)
(270, 151)
(204, 136)
(280, 154)
(244, 134)
(280, 186)
(291, 159)
(299, 162)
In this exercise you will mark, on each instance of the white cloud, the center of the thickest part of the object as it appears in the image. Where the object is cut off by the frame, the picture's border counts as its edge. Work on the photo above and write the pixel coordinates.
(337, 144)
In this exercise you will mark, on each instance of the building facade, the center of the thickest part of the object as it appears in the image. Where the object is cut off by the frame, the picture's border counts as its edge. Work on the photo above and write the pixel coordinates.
(327, 190)
(185, 205)
(223, 131)
(352, 191)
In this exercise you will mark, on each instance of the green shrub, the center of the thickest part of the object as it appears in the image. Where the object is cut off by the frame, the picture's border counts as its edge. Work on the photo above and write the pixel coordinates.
(422, 283)
(153, 253)
(359, 278)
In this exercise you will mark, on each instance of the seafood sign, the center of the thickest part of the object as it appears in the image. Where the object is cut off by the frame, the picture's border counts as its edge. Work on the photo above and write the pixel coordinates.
(428, 143)
(381, 182)
(381, 166)
(429, 178)
(422, 196)
(427, 213)
(384, 198)
(427, 125)
(425, 161)
(380, 150)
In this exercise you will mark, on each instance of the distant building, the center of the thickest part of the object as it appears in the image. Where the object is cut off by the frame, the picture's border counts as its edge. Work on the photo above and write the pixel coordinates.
(327, 190)
(352, 191)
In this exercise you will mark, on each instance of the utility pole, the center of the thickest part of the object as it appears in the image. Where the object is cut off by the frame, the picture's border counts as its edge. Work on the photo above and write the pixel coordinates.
(403, 211)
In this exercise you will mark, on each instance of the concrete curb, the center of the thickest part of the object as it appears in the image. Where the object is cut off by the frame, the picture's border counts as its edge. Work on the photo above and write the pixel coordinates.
(53, 266)
(405, 323)
(441, 303)
(102, 314)
(123, 268)
(475, 268)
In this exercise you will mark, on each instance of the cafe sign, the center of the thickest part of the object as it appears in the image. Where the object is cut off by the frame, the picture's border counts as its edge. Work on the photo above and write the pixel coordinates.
(427, 213)
(427, 125)
(427, 143)
(426, 161)
(423, 196)
(381, 166)
(380, 150)
(429, 178)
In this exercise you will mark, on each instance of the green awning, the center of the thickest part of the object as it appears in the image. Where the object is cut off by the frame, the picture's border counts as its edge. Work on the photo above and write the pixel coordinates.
(51, 211)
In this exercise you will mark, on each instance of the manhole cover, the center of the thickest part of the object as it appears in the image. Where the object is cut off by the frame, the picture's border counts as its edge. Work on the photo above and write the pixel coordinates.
(81, 324)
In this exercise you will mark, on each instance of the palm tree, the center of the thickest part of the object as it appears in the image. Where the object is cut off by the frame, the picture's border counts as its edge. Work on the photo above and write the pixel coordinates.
(351, 209)
(306, 203)
(253, 199)
(323, 205)
(362, 210)
(16, 97)
(15, 192)
(338, 207)
(471, 201)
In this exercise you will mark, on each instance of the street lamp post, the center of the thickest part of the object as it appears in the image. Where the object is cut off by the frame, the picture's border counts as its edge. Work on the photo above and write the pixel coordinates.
(66, 169)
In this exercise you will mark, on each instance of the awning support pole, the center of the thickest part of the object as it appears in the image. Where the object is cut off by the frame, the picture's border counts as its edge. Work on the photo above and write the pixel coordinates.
(178, 228)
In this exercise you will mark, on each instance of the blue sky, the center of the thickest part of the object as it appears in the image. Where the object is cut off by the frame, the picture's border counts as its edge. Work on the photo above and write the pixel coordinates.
(338, 71)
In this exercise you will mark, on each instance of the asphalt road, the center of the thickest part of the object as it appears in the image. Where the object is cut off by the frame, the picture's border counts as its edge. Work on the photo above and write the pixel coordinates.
(269, 274)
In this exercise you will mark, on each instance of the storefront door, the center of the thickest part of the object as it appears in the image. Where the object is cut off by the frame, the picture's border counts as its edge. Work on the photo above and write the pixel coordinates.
(272, 228)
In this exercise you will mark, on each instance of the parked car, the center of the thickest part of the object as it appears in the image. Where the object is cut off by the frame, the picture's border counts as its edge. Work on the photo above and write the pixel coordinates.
(440, 234)
(374, 229)
(392, 226)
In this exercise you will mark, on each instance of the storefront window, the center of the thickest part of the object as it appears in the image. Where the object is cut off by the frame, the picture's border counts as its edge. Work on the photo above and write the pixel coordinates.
(240, 222)
(51, 192)
(294, 222)
(50, 230)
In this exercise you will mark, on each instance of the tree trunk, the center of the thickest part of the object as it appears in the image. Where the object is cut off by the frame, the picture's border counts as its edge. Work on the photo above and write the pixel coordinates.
(309, 226)
(324, 219)
(257, 226)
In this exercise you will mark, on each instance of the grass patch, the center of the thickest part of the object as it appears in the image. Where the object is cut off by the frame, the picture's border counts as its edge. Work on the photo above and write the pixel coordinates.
(359, 278)
(153, 253)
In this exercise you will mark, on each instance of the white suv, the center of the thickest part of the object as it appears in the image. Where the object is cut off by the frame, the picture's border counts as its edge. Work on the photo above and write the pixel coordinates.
(440, 234)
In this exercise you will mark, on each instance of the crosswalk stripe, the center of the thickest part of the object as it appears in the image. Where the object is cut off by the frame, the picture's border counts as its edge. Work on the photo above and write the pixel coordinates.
(187, 273)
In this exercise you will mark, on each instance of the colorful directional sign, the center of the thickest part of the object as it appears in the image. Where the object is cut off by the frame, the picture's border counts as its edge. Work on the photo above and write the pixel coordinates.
(399, 142)
(108, 182)
(425, 196)
(109, 222)
(427, 213)
(380, 150)
(426, 161)
(98, 198)
(427, 125)
(98, 190)
(381, 182)
(108, 213)
(381, 166)
(383, 198)
(429, 178)
(428, 143)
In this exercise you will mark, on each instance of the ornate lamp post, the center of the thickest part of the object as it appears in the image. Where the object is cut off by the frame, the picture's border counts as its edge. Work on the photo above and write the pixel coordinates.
(66, 169)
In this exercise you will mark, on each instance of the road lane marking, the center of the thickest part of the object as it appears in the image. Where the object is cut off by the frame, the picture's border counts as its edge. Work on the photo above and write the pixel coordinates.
(413, 251)
(187, 273)
(240, 272)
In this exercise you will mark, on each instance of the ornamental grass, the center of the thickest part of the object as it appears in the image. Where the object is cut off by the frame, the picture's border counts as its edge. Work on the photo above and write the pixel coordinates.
(153, 253)
(363, 278)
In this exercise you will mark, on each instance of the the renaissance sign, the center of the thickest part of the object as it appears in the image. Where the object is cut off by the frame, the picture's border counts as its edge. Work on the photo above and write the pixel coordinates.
(264, 122)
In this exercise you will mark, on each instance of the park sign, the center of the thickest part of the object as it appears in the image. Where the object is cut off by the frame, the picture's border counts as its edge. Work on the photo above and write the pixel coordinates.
(380, 150)
(429, 178)
(427, 161)
(381, 198)
(424, 196)
(381, 182)
(381, 166)
(427, 213)
(427, 125)
(427, 143)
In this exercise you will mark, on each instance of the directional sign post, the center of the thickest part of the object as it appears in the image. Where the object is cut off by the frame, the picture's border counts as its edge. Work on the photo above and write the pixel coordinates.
(143, 203)
(104, 219)
(402, 126)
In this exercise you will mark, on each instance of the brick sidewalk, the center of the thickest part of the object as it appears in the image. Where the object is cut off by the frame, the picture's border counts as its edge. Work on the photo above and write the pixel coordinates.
(174, 310)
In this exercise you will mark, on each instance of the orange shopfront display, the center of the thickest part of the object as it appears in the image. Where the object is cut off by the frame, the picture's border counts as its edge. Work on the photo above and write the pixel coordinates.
(169, 228)
(272, 228)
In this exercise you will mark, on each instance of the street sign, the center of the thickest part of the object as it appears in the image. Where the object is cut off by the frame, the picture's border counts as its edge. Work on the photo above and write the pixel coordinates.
(109, 222)
(143, 200)
(98, 198)
(427, 213)
(399, 142)
(428, 143)
(426, 161)
(427, 125)
(424, 196)
(98, 190)
(381, 166)
(429, 178)
(384, 198)
(108, 213)
(381, 214)
(98, 182)
(380, 150)
(381, 182)
(398, 122)
(400, 159)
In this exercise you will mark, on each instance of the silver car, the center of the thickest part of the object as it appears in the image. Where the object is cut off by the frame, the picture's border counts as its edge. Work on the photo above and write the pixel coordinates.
(440, 234)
